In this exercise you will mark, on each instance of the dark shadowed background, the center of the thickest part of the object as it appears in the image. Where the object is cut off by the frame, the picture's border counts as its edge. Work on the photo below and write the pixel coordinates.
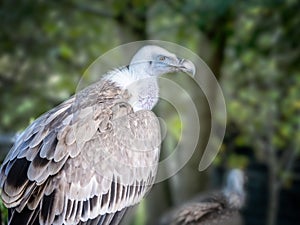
(251, 46)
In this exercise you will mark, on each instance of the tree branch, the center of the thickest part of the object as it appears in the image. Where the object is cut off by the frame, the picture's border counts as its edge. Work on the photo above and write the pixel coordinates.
(89, 9)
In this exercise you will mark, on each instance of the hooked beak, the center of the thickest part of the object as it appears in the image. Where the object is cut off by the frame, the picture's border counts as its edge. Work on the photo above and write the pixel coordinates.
(186, 66)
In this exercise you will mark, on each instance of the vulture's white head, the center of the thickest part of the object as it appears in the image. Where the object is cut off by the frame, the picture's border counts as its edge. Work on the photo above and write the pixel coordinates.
(140, 76)
(234, 189)
(153, 60)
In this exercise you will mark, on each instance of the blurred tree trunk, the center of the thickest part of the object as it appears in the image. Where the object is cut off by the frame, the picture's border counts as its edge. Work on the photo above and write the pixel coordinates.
(188, 182)
(212, 50)
(215, 42)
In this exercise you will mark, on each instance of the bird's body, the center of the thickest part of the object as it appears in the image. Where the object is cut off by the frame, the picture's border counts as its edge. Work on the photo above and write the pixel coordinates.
(89, 159)
(218, 208)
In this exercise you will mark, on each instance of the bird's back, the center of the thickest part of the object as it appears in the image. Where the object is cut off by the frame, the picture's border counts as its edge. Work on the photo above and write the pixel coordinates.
(203, 210)
(78, 163)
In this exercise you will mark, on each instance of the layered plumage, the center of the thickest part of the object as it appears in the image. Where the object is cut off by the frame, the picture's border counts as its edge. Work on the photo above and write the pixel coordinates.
(89, 159)
(218, 208)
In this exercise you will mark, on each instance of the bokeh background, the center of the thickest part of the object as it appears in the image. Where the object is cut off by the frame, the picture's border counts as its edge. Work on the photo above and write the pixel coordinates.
(251, 46)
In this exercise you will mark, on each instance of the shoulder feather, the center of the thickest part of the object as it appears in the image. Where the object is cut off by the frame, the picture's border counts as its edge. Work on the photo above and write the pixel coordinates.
(88, 158)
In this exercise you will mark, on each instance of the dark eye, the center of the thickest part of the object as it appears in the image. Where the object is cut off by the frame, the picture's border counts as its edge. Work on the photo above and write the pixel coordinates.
(162, 58)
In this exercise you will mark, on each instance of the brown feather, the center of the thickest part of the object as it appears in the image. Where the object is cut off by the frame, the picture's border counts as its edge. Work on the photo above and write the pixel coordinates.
(77, 162)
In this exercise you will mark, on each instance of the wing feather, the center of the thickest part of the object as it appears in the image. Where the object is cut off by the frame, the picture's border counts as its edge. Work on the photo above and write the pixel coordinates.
(193, 213)
(49, 144)
(82, 164)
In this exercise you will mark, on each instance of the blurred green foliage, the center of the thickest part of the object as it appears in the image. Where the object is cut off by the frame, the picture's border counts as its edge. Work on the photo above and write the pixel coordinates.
(251, 46)
(262, 78)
